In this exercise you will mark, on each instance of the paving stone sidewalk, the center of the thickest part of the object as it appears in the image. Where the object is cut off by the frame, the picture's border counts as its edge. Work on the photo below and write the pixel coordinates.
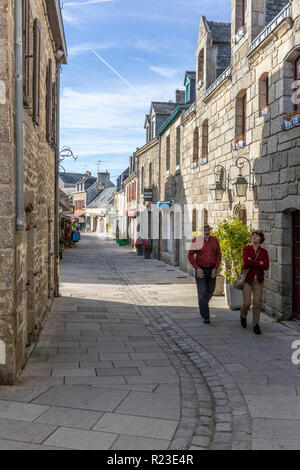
(124, 362)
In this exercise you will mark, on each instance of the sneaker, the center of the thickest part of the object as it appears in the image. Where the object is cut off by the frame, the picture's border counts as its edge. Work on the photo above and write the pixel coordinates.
(206, 321)
(256, 329)
(243, 322)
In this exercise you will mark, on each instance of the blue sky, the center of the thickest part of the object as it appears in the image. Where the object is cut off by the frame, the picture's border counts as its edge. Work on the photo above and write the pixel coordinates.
(149, 44)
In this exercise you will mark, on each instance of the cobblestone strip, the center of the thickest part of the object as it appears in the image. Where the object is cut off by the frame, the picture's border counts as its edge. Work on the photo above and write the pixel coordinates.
(196, 426)
(222, 420)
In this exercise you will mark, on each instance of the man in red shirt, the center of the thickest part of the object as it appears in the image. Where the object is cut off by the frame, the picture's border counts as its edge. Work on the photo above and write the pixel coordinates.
(205, 257)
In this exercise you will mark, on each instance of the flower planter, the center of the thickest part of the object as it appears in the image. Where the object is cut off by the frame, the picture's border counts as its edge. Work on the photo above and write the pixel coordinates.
(234, 297)
(219, 290)
(147, 254)
(296, 120)
(288, 124)
(139, 251)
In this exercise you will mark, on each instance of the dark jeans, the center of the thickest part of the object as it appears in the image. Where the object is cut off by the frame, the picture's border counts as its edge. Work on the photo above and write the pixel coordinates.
(206, 287)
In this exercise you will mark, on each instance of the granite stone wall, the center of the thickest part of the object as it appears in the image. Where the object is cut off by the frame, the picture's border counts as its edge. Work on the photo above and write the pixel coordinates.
(26, 257)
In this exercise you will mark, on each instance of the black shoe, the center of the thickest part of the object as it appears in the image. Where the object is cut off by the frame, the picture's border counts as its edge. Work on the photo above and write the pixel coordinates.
(256, 329)
(206, 321)
(243, 322)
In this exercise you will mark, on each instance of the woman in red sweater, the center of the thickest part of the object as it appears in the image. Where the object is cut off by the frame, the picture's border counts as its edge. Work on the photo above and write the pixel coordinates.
(256, 260)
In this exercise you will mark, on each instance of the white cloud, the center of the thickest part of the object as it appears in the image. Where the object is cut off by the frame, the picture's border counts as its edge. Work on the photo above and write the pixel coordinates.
(69, 18)
(87, 46)
(87, 2)
(164, 71)
(109, 123)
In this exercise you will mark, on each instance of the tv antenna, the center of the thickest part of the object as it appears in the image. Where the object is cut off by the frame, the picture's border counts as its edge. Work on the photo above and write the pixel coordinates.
(99, 161)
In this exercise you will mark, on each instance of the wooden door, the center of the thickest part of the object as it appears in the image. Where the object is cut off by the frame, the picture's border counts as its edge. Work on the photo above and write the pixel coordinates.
(296, 263)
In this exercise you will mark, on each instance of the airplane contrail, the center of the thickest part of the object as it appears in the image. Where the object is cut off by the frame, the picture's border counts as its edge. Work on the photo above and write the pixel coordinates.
(113, 70)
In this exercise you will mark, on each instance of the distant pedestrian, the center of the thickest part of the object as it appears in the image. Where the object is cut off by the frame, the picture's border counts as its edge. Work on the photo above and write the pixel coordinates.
(256, 260)
(205, 257)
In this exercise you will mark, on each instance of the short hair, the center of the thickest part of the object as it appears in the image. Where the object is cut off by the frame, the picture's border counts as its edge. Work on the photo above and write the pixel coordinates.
(261, 235)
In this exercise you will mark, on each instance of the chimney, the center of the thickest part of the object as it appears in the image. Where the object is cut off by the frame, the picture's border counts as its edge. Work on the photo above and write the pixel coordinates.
(180, 97)
(104, 177)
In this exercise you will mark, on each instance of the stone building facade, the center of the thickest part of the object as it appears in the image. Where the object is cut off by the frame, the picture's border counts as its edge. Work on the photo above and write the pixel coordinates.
(147, 188)
(241, 115)
(244, 126)
(29, 87)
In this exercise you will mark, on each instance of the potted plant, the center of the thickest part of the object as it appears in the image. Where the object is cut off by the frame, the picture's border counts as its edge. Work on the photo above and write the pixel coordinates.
(147, 248)
(139, 247)
(233, 236)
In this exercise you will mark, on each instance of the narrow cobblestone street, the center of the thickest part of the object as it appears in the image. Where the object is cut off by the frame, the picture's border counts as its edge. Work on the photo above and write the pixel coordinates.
(124, 362)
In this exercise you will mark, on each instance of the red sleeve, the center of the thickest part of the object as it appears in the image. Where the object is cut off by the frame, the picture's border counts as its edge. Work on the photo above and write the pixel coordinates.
(219, 255)
(191, 257)
(265, 259)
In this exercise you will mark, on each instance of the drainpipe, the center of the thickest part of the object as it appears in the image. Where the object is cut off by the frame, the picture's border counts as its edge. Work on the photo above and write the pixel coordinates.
(159, 173)
(56, 202)
(20, 222)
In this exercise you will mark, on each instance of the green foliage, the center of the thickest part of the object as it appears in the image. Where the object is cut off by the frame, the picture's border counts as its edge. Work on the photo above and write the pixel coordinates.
(233, 236)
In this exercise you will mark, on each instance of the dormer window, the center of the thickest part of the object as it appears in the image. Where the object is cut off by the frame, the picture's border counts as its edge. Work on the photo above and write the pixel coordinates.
(153, 127)
(200, 68)
(187, 92)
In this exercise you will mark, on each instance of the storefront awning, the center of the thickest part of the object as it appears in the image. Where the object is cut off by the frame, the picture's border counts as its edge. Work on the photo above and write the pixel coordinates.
(164, 204)
(132, 213)
(79, 213)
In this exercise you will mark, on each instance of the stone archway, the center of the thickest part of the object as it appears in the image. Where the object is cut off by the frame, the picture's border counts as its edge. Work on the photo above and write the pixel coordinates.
(241, 213)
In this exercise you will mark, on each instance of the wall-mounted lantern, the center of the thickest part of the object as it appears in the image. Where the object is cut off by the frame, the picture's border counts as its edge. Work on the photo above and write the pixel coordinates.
(240, 183)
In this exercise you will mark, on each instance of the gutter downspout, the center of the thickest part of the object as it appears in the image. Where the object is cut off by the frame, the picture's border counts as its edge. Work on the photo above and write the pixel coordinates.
(20, 220)
(159, 217)
(56, 202)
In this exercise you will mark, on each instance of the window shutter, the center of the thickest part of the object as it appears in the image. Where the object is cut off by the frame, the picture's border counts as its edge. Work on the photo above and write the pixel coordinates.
(178, 144)
(196, 145)
(194, 220)
(36, 71)
(168, 155)
(26, 52)
(49, 101)
(205, 139)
